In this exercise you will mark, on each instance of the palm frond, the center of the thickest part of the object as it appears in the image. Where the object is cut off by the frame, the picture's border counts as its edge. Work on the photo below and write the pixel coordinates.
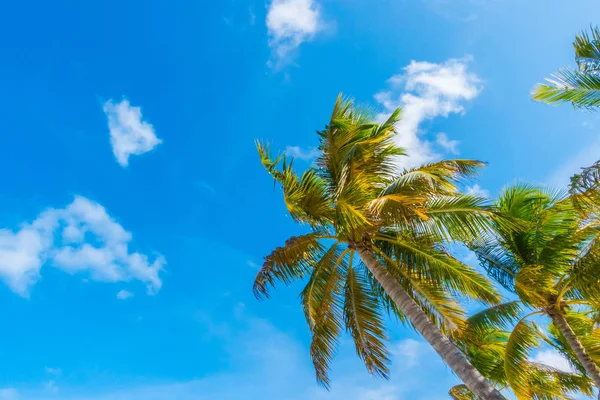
(362, 312)
(587, 50)
(570, 86)
(322, 299)
(291, 262)
(523, 338)
(461, 392)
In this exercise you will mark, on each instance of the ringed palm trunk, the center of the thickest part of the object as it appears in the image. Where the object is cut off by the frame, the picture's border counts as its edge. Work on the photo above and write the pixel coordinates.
(456, 360)
(584, 358)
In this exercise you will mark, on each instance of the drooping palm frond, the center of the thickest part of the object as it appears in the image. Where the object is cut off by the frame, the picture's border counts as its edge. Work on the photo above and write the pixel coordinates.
(364, 320)
(518, 371)
(421, 256)
(291, 262)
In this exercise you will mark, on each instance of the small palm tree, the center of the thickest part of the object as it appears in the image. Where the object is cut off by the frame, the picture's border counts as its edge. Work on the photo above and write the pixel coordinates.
(552, 266)
(376, 242)
(485, 338)
(580, 86)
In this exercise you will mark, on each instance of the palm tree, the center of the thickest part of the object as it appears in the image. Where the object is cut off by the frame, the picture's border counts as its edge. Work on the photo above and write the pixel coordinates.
(485, 338)
(552, 266)
(580, 86)
(376, 242)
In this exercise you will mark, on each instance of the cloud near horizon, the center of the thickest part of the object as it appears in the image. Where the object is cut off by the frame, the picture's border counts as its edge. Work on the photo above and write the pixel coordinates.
(264, 362)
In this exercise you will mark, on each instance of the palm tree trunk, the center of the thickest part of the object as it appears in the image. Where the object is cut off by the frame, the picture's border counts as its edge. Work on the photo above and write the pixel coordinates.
(456, 360)
(584, 358)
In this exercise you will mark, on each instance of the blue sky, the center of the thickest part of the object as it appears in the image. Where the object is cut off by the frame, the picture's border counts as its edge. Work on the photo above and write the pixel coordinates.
(134, 211)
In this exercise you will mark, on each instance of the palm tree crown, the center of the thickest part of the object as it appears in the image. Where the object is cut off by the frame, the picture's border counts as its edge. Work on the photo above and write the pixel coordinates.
(356, 197)
(552, 265)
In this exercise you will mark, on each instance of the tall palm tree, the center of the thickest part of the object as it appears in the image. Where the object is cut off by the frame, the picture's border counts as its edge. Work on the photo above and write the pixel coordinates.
(376, 242)
(552, 266)
(580, 86)
(485, 338)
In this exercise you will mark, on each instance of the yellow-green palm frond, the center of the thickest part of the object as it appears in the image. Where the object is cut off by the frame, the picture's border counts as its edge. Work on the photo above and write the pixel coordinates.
(423, 257)
(323, 307)
(501, 316)
(305, 196)
(585, 189)
(291, 262)
(534, 259)
(581, 86)
(364, 321)
(461, 392)
(570, 86)
(588, 333)
(440, 177)
(548, 383)
(519, 371)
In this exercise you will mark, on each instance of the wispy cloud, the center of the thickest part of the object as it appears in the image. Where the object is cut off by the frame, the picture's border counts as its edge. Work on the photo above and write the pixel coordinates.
(80, 238)
(552, 358)
(302, 154)
(9, 394)
(267, 363)
(478, 191)
(449, 145)
(129, 133)
(409, 350)
(290, 23)
(426, 91)
(124, 295)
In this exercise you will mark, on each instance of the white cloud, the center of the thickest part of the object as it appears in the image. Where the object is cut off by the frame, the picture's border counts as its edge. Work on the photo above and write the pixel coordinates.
(451, 146)
(478, 191)
(409, 351)
(426, 91)
(129, 133)
(124, 295)
(81, 238)
(303, 154)
(289, 24)
(552, 358)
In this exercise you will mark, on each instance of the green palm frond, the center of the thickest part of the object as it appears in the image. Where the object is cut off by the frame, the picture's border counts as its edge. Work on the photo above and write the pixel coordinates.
(461, 392)
(523, 338)
(291, 262)
(322, 299)
(439, 178)
(363, 317)
(587, 50)
(499, 316)
(419, 255)
(580, 86)
(570, 86)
